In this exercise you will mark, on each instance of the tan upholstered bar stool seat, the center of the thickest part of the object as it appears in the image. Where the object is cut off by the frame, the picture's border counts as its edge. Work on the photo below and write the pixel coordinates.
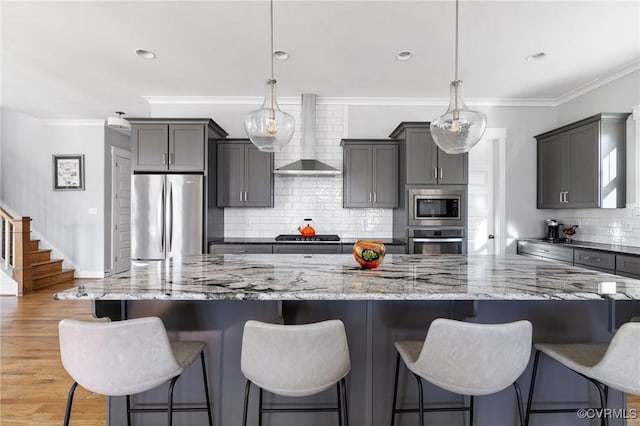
(125, 358)
(296, 361)
(615, 365)
(467, 359)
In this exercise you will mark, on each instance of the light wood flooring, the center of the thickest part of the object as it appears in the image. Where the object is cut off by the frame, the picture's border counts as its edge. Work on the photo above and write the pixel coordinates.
(33, 383)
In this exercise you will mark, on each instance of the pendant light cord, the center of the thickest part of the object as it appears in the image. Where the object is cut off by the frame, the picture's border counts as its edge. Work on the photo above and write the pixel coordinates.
(456, 73)
(271, 31)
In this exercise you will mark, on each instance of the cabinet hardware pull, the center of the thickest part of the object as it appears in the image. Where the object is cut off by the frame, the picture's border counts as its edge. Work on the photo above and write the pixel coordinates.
(164, 158)
(560, 196)
(171, 158)
(435, 173)
(440, 172)
(240, 195)
(245, 195)
(566, 197)
(375, 197)
(369, 196)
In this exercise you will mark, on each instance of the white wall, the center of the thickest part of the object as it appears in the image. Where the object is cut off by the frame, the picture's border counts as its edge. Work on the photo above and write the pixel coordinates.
(609, 226)
(60, 218)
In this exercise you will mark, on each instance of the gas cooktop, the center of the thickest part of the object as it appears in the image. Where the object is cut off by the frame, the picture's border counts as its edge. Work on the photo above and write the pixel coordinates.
(300, 238)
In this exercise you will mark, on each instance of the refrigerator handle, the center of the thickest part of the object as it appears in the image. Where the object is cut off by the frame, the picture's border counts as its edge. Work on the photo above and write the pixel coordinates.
(170, 215)
(163, 221)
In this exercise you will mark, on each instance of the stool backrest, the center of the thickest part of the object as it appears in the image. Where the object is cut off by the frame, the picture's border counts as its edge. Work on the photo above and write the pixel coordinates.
(620, 366)
(295, 360)
(117, 358)
(475, 359)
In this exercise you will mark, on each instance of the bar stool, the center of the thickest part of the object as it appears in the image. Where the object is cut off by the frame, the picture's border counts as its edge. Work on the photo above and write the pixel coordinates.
(127, 357)
(296, 361)
(616, 365)
(466, 359)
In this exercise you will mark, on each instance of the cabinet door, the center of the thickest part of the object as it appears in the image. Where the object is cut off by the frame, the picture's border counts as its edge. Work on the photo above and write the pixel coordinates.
(230, 175)
(422, 157)
(186, 147)
(150, 147)
(258, 177)
(582, 164)
(385, 176)
(452, 168)
(307, 248)
(551, 172)
(358, 173)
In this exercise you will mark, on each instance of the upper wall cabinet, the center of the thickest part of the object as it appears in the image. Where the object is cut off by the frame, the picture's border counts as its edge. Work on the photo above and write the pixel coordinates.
(423, 162)
(370, 177)
(171, 145)
(245, 175)
(583, 164)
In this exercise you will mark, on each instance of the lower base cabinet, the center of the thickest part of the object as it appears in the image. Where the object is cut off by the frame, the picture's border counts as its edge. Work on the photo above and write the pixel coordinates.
(306, 249)
(598, 260)
(240, 248)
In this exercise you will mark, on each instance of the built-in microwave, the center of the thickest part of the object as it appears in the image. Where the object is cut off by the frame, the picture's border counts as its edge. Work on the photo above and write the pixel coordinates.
(436, 207)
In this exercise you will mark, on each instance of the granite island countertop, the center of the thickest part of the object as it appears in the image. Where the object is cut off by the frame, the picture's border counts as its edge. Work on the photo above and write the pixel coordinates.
(338, 277)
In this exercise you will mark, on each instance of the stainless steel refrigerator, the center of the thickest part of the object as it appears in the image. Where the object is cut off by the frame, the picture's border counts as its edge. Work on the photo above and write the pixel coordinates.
(166, 215)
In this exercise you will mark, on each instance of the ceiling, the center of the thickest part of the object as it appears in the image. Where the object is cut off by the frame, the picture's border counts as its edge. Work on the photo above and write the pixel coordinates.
(76, 60)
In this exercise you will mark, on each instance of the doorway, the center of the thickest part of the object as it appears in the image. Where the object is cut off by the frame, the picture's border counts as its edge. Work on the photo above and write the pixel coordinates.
(486, 193)
(121, 209)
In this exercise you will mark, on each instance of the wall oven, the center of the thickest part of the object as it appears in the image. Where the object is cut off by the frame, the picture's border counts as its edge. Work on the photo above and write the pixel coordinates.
(437, 207)
(437, 241)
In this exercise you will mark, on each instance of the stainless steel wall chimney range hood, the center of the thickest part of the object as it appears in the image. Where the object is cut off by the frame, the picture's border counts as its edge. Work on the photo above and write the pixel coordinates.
(308, 165)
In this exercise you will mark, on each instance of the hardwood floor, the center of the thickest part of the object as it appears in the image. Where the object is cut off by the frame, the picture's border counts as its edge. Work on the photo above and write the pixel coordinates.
(33, 383)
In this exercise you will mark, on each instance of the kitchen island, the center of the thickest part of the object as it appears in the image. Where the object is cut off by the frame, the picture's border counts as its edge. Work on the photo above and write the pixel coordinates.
(209, 298)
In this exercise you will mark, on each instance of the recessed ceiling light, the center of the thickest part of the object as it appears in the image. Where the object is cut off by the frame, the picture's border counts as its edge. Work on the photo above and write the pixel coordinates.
(405, 55)
(146, 54)
(281, 55)
(535, 56)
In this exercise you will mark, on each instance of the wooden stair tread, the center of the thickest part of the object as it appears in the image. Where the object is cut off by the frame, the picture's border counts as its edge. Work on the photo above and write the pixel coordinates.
(47, 262)
(41, 251)
(52, 278)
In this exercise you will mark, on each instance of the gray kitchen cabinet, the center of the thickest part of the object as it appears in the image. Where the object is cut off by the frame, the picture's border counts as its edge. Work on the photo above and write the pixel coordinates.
(423, 162)
(391, 249)
(628, 266)
(370, 177)
(545, 251)
(583, 164)
(245, 175)
(220, 248)
(306, 248)
(594, 259)
(171, 144)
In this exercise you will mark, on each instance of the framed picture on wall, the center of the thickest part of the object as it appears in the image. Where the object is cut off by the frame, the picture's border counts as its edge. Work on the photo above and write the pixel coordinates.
(68, 172)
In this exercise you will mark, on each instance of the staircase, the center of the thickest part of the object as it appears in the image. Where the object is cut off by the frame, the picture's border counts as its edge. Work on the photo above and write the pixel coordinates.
(46, 271)
(23, 260)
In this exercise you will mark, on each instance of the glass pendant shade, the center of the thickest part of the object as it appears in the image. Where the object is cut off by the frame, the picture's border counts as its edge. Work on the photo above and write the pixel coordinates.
(269, 128)
(458, 129)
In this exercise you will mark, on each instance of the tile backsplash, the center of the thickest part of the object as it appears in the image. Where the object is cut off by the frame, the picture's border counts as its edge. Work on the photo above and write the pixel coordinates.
(607, 226)
(315, 197)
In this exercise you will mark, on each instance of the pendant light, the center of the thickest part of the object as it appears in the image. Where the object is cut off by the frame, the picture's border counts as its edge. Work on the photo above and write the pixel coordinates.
(458, 129)
(269, 128)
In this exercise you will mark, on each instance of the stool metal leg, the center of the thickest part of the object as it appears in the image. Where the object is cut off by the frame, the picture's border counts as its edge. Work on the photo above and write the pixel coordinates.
(170, 405)
(519, 402)
(395, 390)
(260, 406)
(472, 403)
(247, 389)
(420, 401)
(206, 388)
(67, 413)
(345, 407)
(128, 399)
(338, 386)
(531, 387)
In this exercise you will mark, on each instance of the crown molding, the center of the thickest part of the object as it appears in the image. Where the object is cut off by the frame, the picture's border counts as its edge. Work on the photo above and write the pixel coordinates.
(599, 82)
(368, 101)
(75, 123)
(399, 101)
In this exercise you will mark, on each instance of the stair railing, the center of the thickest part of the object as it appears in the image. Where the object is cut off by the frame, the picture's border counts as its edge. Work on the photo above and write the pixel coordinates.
(15, 252)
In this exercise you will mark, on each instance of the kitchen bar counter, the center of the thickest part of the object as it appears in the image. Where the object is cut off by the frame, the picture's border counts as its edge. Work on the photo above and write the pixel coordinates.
(338, 277)
(344, 241)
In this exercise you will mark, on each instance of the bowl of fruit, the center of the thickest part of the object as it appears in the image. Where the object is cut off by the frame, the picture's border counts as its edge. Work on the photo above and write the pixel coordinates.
(369, 253)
